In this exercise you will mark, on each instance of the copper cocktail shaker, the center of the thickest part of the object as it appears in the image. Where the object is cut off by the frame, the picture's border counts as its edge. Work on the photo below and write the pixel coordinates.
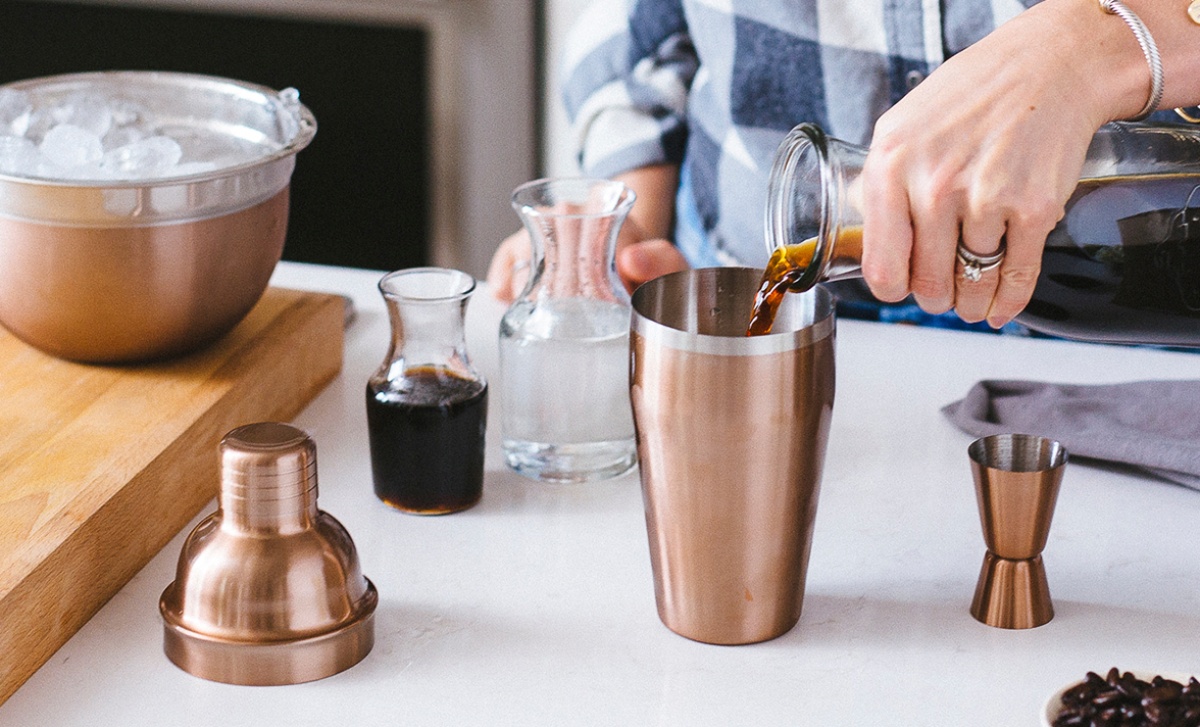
(268, 588)
(731, 435)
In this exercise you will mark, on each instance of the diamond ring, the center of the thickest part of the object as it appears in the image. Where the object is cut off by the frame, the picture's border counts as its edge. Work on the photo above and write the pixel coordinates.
(974, 266)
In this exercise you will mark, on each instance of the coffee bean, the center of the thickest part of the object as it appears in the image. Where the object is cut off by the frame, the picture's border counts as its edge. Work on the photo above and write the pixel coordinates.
(1119, 699)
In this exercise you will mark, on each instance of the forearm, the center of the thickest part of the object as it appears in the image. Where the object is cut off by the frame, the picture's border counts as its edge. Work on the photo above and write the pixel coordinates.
(653, 213)
(1111, 63)
(1178, 41)
(644, 248)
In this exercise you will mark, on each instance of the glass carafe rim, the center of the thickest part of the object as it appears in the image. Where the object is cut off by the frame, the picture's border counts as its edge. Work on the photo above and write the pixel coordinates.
(779, 210)
(465, 285)
(524, 207)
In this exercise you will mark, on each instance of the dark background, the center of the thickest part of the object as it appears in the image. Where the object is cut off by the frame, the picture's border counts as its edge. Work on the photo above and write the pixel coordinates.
(360, 192)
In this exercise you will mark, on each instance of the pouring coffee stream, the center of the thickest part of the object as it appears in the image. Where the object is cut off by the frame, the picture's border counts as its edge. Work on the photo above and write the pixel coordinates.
(785, 270)
(1122, 265)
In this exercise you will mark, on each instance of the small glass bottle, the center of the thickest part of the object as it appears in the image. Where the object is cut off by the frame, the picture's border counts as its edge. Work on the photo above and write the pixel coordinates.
(1121, 266)
(564, 342)
(426, 405)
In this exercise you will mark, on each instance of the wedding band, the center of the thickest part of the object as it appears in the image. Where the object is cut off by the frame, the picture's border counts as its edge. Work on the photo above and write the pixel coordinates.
(974, 266)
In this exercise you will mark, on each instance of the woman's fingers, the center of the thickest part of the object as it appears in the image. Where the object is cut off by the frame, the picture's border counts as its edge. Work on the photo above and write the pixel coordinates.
(887, 224)
(642, 261)
(1026, 239)
(932, 269)
(509, 269)
(637, 262)
(975, 277)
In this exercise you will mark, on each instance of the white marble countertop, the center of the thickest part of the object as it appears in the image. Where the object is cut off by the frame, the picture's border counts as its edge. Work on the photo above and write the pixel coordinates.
(537, 607)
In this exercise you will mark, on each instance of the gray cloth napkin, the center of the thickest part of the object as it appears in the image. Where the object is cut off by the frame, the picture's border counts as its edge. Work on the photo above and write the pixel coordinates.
(1149, 425)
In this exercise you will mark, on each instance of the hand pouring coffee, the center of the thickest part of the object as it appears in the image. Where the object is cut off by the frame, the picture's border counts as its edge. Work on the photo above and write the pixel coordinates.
(1122, 266)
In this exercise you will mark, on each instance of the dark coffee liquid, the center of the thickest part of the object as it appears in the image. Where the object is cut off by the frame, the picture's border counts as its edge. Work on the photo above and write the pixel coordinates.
(784, 270)
(427, 441)
(1135, 281)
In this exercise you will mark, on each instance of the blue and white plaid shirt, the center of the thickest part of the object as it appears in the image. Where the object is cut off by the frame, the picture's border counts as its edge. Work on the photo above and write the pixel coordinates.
(714, 85)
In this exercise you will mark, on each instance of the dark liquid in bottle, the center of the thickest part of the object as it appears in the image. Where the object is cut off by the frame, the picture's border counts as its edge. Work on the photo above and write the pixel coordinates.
(1135, 280)
(427, 441)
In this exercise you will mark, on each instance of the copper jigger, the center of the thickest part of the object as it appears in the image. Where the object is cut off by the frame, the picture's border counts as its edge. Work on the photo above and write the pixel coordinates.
(1017, 477)
(268, 588)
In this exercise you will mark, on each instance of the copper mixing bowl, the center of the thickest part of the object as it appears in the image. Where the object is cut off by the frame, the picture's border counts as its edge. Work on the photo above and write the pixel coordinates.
(130, 270)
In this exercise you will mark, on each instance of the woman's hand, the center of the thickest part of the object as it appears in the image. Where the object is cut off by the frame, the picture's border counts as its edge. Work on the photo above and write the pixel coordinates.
(509, 270)
(643, 250)
(637, 261)
(644, 260)
(985, 153)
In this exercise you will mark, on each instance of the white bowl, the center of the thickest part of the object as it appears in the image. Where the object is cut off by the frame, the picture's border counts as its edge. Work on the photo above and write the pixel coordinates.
(1053, 705)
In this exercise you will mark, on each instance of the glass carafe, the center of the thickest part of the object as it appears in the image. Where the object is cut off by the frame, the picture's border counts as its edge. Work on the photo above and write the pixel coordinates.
(426, 404)
(1122, 266)
(564, 342)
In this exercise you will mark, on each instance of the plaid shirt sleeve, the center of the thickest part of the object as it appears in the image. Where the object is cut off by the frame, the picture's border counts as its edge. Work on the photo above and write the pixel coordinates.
(627, 70)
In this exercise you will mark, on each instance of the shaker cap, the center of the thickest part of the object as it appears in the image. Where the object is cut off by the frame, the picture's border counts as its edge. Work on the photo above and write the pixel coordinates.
(268, 589)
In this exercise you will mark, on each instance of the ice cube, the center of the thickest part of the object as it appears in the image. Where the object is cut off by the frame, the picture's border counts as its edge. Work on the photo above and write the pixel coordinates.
(15, 109)
(128, 113)
(287, 114)
(39, 121)
(68, 146)
(19, 156)
(154, 156)
(119, 136)
(89, 112)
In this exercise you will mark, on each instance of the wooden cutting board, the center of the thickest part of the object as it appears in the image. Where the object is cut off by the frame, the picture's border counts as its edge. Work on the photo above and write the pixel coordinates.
(100, 466)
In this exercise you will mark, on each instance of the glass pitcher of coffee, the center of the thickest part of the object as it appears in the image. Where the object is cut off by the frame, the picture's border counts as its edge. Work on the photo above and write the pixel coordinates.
(1122, 266)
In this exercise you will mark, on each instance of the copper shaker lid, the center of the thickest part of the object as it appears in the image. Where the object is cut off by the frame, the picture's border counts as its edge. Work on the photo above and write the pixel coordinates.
(268, 589)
